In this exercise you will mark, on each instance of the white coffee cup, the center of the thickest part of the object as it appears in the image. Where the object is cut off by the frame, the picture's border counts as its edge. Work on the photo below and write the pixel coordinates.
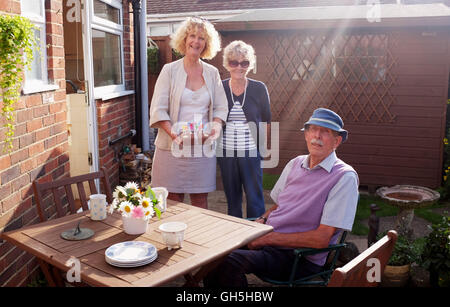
(173, 234)
(97, 205)
(161, 195)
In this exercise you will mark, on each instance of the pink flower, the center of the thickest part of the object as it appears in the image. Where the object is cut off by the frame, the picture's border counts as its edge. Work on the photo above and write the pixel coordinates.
(137, 212)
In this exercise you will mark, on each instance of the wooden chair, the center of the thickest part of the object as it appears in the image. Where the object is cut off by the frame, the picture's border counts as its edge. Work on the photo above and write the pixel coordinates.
(59, 188)
(62, 187)
(319, 279)
(354, 273)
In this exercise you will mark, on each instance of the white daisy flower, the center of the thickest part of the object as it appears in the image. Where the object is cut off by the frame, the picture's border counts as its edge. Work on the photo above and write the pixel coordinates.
(119, 193)
(148, 212)
(126, 208)
(115, 204)
(145, 202)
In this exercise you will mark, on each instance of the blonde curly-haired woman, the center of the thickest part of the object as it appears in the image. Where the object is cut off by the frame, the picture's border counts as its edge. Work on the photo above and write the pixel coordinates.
(189, 99)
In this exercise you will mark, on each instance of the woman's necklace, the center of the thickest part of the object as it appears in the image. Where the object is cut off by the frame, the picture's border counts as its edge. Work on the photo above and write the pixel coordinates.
(245, 93)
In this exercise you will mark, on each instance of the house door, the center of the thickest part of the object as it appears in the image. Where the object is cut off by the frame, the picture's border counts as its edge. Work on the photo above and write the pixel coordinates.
(81, 111)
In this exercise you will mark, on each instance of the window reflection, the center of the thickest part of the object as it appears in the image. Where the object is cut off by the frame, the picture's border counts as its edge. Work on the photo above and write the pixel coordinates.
(107, 58)
(106, 11)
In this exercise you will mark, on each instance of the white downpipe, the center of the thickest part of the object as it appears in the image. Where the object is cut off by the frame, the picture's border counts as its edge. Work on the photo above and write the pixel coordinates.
(144, 79)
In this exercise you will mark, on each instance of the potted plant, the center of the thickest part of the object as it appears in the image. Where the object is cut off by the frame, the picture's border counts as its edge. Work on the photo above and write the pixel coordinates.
(136, 207)
(435, 256)
(397, 271)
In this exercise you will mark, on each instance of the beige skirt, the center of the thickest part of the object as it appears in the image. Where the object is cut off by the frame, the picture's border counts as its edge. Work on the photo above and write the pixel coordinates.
(184, 174)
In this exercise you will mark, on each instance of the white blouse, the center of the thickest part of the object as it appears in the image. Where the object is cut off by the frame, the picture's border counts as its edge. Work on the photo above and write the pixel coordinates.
(194, 109)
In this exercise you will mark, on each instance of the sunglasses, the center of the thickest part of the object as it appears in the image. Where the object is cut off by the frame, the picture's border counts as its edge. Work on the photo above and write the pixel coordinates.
(244, 64)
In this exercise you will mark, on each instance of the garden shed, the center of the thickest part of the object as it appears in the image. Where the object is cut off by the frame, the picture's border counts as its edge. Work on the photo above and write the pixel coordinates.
(383, 68)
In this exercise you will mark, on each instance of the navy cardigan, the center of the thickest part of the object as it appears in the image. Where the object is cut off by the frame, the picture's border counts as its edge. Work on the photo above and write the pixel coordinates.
(257, 103)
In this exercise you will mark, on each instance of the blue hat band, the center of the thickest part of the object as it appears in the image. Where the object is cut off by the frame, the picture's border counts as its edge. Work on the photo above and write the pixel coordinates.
(328, 119)
(333, 124)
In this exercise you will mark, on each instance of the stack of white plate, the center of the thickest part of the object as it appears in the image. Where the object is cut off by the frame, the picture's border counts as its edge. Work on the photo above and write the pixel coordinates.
(131, 254)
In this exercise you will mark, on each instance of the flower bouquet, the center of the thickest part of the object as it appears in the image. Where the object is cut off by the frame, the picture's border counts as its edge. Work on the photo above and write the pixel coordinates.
(136, 206)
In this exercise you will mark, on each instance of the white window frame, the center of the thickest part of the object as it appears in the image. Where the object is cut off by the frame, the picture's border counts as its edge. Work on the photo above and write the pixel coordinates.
(172, 27)
(42, 84)
(153, 25)
(107, 26)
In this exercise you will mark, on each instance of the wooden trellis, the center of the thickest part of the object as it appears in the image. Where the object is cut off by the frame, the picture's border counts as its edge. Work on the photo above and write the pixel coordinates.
(350, 73)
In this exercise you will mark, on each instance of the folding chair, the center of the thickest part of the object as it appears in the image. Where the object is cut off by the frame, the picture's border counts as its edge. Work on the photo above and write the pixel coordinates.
(319, 279)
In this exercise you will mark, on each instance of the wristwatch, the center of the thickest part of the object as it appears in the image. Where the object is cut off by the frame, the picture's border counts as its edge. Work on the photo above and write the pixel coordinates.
(264, 218)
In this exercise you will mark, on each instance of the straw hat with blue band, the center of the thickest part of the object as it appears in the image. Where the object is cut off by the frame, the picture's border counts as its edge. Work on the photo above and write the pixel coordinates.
(328, 119)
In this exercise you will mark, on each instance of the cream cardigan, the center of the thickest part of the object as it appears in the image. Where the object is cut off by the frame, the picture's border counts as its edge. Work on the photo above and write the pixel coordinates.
(166, 98)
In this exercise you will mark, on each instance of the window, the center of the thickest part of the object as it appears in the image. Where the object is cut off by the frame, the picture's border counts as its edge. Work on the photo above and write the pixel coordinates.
(159, 30)
(107, 47)
(162, 29)
(36, 78)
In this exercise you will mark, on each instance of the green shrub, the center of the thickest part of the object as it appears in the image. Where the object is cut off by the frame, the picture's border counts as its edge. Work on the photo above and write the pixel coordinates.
(435, 256)
(444, 190)
(405, 251)
(16, 54)
(153, 59)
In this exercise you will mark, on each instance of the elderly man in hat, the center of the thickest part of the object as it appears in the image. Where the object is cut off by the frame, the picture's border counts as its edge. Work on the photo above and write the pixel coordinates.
(315, 199)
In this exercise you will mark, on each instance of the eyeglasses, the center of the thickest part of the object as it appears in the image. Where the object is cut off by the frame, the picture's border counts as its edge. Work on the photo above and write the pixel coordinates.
(244, 64)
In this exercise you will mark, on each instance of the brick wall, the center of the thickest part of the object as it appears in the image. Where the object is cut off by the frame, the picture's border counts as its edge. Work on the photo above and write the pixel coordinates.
(113, 115)
(40, 150)
(117, 115)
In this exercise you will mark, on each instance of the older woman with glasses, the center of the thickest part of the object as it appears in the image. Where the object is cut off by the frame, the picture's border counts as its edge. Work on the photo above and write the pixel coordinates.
(238, 156)
(188, 107)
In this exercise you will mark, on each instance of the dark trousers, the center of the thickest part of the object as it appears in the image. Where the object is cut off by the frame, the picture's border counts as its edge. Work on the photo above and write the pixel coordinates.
(272, 262)
(242, 173)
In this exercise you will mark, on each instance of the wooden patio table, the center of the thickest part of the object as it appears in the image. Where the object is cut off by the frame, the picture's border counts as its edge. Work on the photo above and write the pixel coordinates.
(209, 237)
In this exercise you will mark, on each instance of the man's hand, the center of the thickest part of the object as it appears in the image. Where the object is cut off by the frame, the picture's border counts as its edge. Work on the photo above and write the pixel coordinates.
(261, 241)
(255, 244)
(260, 220)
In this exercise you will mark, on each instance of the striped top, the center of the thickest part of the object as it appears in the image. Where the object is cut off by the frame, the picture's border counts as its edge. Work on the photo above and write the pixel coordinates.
(236, 135)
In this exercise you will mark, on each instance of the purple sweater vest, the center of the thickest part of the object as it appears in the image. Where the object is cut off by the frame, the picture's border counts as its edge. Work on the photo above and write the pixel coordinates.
(301, 203)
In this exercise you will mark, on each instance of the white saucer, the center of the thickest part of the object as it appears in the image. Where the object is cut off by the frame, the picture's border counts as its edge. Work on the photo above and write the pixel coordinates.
(131, 253)
(131, 265)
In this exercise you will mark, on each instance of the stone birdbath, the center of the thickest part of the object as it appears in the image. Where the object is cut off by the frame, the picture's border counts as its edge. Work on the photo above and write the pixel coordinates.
(407, 198)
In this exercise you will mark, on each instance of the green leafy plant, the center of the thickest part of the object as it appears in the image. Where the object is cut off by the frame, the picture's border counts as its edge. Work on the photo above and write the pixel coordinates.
(436, 253)
(444, 189)
(176, 55)
(404, 252)
(153, 58)
(16, 54)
